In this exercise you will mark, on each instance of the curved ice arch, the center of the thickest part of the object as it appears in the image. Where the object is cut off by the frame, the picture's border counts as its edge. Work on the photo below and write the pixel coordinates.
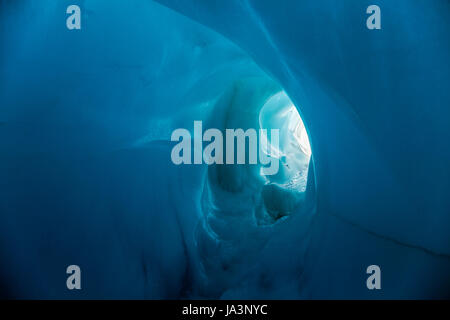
(363, 98)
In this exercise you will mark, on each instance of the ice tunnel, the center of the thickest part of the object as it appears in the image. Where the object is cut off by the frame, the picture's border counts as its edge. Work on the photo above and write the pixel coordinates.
(360, 149)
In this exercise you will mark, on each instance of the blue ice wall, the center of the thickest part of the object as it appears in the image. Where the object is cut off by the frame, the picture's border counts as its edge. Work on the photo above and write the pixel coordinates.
(85, 170)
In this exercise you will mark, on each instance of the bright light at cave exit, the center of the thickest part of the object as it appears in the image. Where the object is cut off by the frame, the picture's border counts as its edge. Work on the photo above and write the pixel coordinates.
(293, 150)
(298, 130)
(279, 112)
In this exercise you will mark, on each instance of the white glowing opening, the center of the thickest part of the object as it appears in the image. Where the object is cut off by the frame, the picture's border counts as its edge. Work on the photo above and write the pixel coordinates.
(279, 112)
(298, 130)
(294, 149)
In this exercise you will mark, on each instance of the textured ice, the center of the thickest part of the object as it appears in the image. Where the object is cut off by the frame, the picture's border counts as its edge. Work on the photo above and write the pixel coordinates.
(86, 176)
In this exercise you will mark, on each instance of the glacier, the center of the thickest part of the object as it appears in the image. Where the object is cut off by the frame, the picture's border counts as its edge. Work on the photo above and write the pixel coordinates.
(86, 176)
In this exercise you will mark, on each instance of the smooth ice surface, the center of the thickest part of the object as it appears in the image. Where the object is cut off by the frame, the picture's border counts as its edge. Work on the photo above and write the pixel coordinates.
(85, 170)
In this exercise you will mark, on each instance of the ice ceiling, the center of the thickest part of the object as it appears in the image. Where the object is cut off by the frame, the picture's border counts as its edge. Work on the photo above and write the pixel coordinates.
(86, 177)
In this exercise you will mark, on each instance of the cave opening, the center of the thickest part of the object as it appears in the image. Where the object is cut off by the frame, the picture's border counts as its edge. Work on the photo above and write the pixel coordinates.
(249, 190)
(284, 192)
(293, 150)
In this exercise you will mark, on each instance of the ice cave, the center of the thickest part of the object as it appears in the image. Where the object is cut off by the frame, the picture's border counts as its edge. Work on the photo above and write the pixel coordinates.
(362, 156)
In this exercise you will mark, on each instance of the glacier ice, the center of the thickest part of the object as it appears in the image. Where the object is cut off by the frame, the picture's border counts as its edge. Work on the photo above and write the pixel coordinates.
(86, 176)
